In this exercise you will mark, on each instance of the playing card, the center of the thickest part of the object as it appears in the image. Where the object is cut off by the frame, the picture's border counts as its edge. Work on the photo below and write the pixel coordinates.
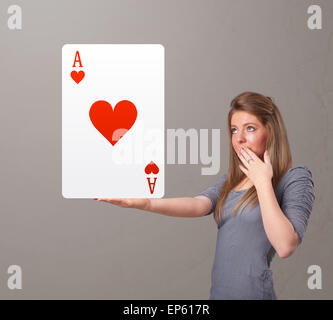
(112, 120)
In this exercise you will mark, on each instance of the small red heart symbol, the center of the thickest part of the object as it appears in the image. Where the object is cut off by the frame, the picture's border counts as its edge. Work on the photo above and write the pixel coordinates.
(151, 168)
(113, 124)
(77, 76)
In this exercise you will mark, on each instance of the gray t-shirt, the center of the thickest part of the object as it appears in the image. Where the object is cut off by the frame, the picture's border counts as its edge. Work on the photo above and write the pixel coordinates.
(241, 268)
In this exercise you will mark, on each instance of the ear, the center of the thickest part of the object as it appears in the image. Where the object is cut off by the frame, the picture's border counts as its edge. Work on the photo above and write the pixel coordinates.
(266, 157)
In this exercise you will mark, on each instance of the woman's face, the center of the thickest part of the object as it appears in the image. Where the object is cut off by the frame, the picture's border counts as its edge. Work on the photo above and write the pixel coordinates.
(248, 131)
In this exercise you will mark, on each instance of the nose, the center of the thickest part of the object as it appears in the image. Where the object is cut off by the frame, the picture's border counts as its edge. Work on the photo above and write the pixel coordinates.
(241, 137)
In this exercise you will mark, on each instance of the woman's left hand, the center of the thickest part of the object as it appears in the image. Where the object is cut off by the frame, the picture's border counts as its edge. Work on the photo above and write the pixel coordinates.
(255, 169)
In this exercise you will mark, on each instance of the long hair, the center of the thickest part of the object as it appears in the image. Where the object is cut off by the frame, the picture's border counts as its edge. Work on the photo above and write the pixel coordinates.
(277, 145)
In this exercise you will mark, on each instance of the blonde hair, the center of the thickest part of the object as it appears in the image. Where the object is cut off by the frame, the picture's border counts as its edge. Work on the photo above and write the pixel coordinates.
(277, 145)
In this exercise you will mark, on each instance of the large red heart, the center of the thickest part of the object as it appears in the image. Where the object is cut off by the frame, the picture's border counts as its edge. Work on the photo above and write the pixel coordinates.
(151, 167)
(77, 76)
(113, 124)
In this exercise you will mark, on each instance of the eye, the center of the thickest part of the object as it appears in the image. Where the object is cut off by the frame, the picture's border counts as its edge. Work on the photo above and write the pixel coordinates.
(233, 130)
(249, 128)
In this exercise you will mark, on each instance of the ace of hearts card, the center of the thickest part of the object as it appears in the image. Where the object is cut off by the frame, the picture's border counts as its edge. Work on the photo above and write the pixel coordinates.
(112, 121)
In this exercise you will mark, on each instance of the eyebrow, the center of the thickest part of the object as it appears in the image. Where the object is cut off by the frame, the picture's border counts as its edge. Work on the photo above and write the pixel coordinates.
(245, 124)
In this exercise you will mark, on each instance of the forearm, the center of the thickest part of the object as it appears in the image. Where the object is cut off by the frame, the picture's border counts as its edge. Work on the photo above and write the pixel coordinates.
(280, 232)
(175, 207)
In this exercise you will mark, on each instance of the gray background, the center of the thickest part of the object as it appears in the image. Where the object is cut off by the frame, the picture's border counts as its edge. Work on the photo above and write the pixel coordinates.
(214, 50)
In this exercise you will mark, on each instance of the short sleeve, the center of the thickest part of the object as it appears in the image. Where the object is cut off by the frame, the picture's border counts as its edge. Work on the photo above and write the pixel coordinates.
(213, 192)
(298, 197)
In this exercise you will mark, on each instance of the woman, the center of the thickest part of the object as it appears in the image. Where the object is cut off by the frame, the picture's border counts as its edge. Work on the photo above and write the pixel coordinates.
(261, 206)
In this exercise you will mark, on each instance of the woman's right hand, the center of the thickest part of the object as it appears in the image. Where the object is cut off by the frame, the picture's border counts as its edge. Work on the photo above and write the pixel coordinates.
(187, 207)
(137, 203)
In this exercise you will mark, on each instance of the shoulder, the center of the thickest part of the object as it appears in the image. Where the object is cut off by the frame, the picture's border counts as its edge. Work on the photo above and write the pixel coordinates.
(300, 170)
(219, 183)
(297, 172)
(223, 177)
(295, 175)
(297, 178)
(214, 190)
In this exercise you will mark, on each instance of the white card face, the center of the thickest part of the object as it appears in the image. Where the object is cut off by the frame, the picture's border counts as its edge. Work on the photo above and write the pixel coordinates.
(112, 121)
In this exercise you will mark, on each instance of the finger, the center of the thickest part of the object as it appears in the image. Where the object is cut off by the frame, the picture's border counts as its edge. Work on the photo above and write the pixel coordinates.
(114, 200)
(111, 200)
(241, 157)
(243, 169)
(245, 154)
(266, 157)
(252, 154)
